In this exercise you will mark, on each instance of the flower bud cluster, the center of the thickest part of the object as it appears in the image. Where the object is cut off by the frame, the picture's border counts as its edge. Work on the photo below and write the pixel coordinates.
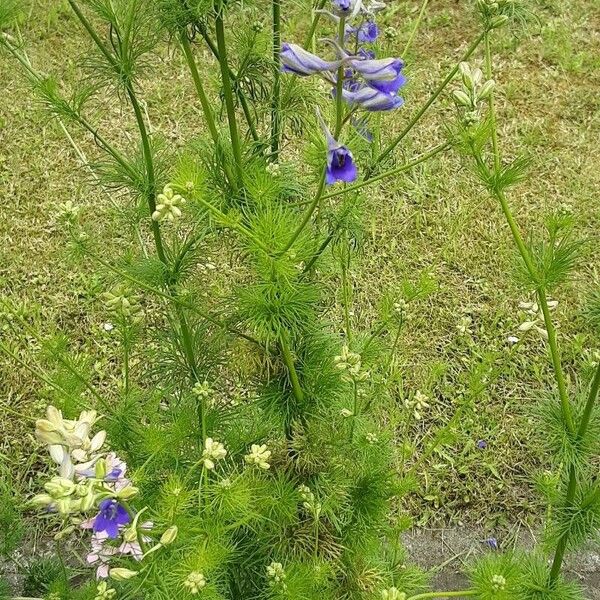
(498, 583)
(122, 304)
(534, 319)
(258, 456)
(310, 503)
(213, 451)
(418, 403)
(194, 582)
(168, 205)
(276, 575)
(473, 92)
(495, 13)
(350, 365)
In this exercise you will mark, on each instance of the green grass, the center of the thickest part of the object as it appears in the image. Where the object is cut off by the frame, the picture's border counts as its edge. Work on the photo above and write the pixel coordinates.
(435, 220)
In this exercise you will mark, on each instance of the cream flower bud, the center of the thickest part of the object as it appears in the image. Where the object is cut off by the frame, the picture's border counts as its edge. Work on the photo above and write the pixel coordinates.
(168, 537)
(194, 582)
(119, 574)
(259, 455)
(127, 492)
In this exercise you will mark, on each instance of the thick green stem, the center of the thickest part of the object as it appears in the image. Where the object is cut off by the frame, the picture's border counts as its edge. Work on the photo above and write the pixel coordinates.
(589, 405)
(288, 359)
(228, 94)
(290, 365)
(277, 79)
(556, 362)
(429, 102)
(339, 100)
(204, 101)
(562, 545)
(345, 264)
(149, 162)
(238, 90)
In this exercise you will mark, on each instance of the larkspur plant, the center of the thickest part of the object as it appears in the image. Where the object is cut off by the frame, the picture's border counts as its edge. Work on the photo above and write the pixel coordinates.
(289, 491)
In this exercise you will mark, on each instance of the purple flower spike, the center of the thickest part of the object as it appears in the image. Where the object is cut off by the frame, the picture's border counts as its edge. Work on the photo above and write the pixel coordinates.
(299, 61)
(371, 99)
(383, 74)
(368, 32)
(111, 516)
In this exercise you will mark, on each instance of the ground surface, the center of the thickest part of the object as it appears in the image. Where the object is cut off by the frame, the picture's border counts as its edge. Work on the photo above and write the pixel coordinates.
(434, 220)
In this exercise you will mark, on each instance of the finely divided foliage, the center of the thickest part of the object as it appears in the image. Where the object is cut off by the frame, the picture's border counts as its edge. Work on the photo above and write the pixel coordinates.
(180, 482)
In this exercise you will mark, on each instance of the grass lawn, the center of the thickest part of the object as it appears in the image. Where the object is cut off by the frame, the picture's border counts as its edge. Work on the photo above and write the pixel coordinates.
(434, 222)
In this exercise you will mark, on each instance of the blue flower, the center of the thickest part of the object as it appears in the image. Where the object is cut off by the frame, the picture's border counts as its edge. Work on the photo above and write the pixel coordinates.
(111, 516)
(299, 61)
(384, 74)
(340, 163)
(368, 32)
(371, 99)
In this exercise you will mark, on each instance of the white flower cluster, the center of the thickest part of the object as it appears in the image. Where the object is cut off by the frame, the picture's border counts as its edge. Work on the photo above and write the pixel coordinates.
(535, 317)
(473, 91)
(85, 474)
(258, 456)
(168, 206)
(213, 451)
(418, 403)
(194, 582)
(350, 365)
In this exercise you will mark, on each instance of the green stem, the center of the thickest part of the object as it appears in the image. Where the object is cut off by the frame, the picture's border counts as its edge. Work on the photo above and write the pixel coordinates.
(396, 171)
(563, 542)
(345, 260)
(339, 101)
(227, 92)
(238, 90)
(355, 408)
(204, 101)
(491, 104)
(288, 360)
(589, 405)
(126, 365)
(556, 362)
(314, 24)
(413, 33)
(149, 162)
(429, 102)
(561, 547)
(277, 79)
(309, 213)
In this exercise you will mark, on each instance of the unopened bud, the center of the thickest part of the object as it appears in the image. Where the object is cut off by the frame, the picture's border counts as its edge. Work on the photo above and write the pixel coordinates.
(119, 574)
(498, 21)
(127, 492)
(486, 90)
(168, 537)
(462, 98)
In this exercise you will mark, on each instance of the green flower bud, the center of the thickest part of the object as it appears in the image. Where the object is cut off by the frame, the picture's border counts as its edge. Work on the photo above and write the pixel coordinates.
(168, 537)
(498, 21)
(119, 574)
(461, 98)
(100, 469)
(127, 492)
(486, 90)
